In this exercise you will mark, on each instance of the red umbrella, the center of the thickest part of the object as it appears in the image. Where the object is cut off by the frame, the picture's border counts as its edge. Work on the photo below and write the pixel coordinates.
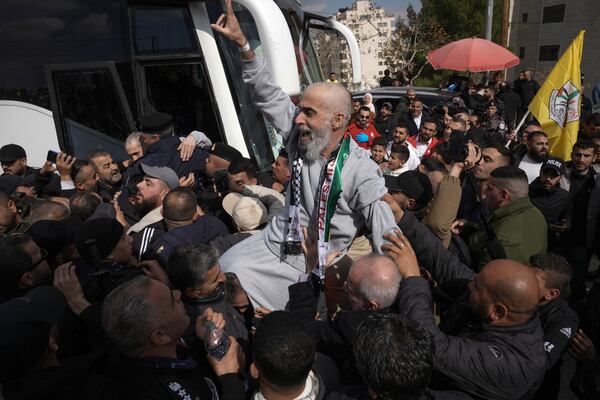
(474, 54)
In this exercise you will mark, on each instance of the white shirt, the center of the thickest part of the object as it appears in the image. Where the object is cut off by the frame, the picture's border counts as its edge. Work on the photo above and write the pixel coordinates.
(531, 168)
(418, 121)
(413, 160)
(421, 147)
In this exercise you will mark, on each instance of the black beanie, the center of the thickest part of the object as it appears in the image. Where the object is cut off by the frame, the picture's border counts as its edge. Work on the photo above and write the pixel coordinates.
(103, 234)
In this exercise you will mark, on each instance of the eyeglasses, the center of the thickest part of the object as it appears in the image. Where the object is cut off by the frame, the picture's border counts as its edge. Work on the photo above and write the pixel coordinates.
(44, 255)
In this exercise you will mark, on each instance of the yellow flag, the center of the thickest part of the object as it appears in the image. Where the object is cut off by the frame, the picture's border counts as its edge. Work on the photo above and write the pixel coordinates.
(557, 104)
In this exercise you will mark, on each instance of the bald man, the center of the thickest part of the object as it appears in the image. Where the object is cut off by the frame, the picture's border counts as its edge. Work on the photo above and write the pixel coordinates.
(267, 263)
(372, 287)
(553, 274)
(493, 347)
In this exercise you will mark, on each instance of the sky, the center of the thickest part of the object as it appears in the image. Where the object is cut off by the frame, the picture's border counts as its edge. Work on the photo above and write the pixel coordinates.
(329, 7)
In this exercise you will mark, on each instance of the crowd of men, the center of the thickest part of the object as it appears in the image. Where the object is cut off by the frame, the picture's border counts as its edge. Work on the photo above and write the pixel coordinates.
(454, 265)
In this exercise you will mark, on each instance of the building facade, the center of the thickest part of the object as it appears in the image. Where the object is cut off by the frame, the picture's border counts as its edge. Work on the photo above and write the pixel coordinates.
(541, 30)
(372, 27)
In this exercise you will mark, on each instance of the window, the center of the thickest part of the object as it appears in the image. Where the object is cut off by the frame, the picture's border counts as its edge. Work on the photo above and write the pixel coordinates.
(525, 17)
(553, 14)
(163, 30)
(343, 56)
(380, 55)
(380, 63)
(92, 107)
(380, 72)
(549, 53)
(521, 52)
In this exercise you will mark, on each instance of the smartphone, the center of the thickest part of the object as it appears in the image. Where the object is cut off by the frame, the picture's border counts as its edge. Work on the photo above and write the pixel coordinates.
(51, 156)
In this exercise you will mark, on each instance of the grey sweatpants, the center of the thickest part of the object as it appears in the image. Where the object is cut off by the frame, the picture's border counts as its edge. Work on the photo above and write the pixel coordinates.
(264, 276)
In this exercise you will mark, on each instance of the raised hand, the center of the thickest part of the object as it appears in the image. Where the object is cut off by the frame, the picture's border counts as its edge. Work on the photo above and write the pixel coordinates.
(228, 26)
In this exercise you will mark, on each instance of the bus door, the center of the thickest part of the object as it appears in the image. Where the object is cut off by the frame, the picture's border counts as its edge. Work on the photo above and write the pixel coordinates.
(170, 69)
(90, 109)
(329, 43)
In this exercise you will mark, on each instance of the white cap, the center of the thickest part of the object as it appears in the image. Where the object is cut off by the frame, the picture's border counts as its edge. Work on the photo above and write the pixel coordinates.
(247, 212)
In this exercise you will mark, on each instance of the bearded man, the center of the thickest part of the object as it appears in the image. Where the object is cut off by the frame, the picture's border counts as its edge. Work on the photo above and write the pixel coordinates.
(314, 135)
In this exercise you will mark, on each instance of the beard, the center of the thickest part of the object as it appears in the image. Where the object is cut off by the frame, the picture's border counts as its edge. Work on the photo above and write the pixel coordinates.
(144, 206)
(312, 143)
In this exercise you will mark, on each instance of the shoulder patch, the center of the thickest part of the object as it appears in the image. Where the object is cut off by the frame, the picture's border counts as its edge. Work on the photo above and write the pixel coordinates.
(498, 354)
(548, 347)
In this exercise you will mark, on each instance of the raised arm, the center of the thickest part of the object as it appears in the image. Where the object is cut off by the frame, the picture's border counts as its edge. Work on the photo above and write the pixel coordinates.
(272, 101)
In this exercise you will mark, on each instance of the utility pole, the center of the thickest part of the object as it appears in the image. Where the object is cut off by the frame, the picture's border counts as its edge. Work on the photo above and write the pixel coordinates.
(488, 29)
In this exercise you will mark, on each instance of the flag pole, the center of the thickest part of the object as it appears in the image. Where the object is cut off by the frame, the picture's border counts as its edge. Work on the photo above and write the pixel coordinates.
(507, 145)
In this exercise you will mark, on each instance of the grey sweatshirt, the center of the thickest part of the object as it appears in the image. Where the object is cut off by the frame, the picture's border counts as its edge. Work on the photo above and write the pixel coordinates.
(362, 182)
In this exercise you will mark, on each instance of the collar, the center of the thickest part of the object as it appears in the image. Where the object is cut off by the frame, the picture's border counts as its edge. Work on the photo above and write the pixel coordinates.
(310, 392)
(514, 207)
(148, 219)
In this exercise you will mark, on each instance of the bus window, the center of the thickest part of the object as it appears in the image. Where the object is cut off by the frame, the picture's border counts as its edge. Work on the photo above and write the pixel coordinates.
(260, 137)
(162, 30)
(91, 107)
(308, 63)
(180, 89)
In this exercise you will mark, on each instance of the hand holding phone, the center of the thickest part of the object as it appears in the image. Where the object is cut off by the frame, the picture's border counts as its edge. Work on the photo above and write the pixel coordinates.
(51, 156)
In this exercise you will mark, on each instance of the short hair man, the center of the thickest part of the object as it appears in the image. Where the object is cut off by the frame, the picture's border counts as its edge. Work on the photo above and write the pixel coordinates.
(84, 204)
(241, 172)
(281, 171)
(145, 320)
(578, 243)
(106, 168)
(404, 369)
(48, 210)
(157, 182)
(11, 219)
(425, 141)
(399, 137)
(537, 152)
(185, 223)
(385, 122)
(133, 146)
(194, 270)
(362, 129)
(284, 352)
(492, 156)
(413, 119)
(23, 266)
(552, 200)
(519, 226)
(220, 158)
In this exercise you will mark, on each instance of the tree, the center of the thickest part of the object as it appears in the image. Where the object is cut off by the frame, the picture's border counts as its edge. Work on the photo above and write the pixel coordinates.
(463, 19)
(410, 42)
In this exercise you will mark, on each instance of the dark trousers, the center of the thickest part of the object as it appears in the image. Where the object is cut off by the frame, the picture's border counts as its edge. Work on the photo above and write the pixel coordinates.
(579, 257)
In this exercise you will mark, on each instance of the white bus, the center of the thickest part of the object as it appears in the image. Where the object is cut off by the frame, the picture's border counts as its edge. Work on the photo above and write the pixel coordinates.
(76, 74)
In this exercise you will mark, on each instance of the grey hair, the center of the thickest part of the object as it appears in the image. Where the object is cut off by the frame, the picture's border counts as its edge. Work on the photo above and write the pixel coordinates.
(127, 316)
(339, 98)
(133, 137)
(189, 264)
(381, 280)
